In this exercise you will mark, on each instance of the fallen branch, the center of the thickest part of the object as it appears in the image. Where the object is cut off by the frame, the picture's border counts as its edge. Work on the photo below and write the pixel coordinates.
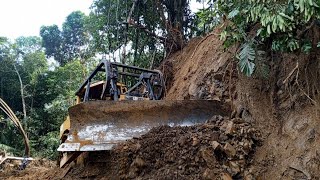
(6, 109)
(5, 158)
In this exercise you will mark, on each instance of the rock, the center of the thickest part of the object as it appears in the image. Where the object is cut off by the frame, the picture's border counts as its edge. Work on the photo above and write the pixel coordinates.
(209, 126)
(246, 146)
(227, 101)
(216, 98)
(279, 92)
(216, 145)
(218, 76)
(212, 89)
(223, 138)
(209, 174)
(201, 93)
(248, 177)
(207, 155)
(235, 95)
(225, 176)
(138, 162)
(240, 109)
(233, 114)
(133, 173)
(224, 125)
(241, 162)
(137, 146)
(311, 135)
(230, 128)
(182, 140)
(193, 89)
(246, 116)
(195, 141)
(234, 167)
(229, 150)
(241, 156)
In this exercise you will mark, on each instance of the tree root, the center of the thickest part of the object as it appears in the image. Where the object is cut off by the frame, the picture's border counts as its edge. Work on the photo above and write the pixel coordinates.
(285, 81)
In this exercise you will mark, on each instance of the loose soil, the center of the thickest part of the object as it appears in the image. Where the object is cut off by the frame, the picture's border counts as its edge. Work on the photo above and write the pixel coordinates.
(218, 148)
(38, 169)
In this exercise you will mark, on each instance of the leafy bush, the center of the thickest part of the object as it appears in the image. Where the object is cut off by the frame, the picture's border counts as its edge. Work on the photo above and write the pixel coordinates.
(46, 146)
(282, 23)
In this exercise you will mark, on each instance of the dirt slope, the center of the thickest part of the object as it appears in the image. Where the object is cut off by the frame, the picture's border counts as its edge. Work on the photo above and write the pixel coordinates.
(281, 105)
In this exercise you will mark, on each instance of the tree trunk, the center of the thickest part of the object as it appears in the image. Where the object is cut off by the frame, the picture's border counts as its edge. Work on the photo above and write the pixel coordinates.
(137, 38)
(24, 109)
(173, 23)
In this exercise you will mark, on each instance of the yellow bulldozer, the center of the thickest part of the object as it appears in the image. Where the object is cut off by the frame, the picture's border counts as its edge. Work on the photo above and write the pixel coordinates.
(118, 102)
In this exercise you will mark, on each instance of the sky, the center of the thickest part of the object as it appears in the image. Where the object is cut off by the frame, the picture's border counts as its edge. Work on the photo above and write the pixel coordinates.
(25, 17)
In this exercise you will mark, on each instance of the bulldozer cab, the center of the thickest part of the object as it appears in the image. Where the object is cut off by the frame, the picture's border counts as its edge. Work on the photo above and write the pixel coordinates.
(96, 90)
(115, 81)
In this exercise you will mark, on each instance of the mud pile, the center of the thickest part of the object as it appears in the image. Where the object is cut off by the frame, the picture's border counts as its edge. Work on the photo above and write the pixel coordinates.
(220, 148)
(37, 169)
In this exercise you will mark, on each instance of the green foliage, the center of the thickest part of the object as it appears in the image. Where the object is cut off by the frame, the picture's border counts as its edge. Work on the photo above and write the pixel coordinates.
(205, 19)
(28, 45)
(48, 94)
(306, 47)
(74, 35)
(8, 149)
(52, 42)
(9, 140)
(108, 26)
(281, 24)
(246, 58)
(69, 44)
(48, 144)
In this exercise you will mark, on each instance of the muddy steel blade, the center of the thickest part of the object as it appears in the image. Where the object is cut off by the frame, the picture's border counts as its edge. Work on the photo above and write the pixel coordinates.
(98, 125)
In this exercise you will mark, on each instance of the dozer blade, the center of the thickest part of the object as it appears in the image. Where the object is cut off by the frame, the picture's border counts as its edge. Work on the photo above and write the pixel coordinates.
(99, 125)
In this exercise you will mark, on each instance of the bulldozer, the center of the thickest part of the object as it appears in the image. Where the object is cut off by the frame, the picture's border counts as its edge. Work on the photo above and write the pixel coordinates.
(118, 102)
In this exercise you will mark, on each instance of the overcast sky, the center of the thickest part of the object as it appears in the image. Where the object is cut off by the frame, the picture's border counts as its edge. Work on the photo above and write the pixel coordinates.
(25, 17)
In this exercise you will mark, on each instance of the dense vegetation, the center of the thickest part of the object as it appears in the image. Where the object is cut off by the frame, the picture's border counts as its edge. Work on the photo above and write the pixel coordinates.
(270, 25)
(39, 75)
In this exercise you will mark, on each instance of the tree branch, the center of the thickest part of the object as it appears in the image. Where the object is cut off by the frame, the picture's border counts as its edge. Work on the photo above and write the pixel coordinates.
(143, 28)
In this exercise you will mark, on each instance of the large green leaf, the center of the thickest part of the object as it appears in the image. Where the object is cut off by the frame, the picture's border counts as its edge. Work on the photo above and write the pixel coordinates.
(233, 13)
(246, 57)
